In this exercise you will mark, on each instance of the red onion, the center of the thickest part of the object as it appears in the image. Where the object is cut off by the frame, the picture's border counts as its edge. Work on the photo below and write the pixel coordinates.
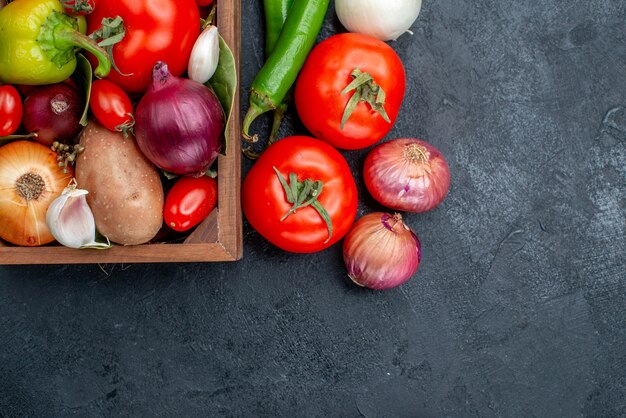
(381, 252)
(54, 113)
(407, 174)
(179, 123)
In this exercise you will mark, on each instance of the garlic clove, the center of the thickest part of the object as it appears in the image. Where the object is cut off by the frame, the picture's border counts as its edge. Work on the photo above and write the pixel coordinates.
(71, 221)
(205, 55)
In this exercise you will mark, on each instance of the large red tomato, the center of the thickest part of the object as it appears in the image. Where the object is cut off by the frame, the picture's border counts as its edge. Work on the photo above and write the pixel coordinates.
(156, 30)
(266, 202)
(329, 69)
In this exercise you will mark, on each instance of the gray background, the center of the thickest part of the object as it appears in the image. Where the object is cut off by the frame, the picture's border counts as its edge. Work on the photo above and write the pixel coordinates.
(518, 308)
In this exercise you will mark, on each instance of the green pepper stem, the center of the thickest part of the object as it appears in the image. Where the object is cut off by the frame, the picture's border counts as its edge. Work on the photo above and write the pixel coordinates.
(279, 115)
(259, 104)
(77, 39)
(60, 39)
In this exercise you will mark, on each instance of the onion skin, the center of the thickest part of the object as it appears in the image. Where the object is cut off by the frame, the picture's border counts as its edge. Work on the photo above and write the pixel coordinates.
(407, 174)
(23, 220)
(381, 252)
(179, 124)
(53, 112)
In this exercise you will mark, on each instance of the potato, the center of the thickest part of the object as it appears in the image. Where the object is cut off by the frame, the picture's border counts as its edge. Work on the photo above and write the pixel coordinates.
(125, 192)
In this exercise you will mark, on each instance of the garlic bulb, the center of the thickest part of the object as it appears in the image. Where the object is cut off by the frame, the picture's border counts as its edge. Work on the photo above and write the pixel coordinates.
(385, 20)
(71, 221)
(205, 55)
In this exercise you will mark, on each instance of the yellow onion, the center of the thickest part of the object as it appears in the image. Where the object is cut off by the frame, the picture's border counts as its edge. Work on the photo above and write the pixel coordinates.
(30, 180)
(381, 252)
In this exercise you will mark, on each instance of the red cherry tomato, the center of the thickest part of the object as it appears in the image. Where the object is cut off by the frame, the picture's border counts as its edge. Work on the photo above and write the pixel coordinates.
(204, 2)
(111, 106)
(328, 71)
(78, 7)
(266, 203)
(163, 30)
(189, 202)
(10, 110)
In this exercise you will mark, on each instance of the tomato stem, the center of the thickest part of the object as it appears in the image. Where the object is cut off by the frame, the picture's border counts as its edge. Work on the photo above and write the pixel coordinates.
(127, 127)
(365, 90)
(78, 6)
(302, 194)
(111, 32)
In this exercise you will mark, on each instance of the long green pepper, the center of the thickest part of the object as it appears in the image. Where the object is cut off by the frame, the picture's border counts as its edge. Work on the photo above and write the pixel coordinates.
(272, 83)
(275, 17)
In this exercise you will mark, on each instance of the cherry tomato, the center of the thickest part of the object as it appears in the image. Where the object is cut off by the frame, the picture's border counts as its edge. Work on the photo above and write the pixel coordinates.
(327, 72)
(204, 2)
(163, 30)
(10, 109)
(78, 7)
(111, 106)
(189, 202)
(266, 202)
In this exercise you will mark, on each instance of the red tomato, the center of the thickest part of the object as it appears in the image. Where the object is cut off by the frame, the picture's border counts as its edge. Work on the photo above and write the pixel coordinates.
(204, 2)
(10, 109)
(189, 202)
(265, 202)
(111, 106)
(327, 71)
(79, 7)
(156, 30)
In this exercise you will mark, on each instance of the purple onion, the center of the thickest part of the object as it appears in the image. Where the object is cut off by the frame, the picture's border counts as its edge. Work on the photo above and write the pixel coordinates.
(380, 251)
(179, 123)
(53, 112)
(407, 174)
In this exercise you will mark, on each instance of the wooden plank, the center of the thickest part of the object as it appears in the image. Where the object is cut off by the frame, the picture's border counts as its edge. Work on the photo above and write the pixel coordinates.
(205, 232)
(229, 178)
(153, 253)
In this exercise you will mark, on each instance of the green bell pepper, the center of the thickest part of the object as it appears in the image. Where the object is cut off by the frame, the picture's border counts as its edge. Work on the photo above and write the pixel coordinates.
(38, 43)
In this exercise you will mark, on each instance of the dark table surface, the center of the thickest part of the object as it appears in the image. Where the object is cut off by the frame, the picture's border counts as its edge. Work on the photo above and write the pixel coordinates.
(518, 308)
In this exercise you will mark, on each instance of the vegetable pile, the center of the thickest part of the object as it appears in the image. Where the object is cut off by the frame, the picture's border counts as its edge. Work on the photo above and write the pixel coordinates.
(348, 90)
(112, 117)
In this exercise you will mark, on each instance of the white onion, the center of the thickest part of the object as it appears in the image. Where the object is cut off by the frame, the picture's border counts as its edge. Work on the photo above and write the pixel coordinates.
(385, 20)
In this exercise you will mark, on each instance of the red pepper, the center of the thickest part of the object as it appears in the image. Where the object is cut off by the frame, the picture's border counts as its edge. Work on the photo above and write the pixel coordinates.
(165, 30)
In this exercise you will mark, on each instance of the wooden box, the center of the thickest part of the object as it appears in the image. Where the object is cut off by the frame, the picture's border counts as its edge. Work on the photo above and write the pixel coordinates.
(218, 238)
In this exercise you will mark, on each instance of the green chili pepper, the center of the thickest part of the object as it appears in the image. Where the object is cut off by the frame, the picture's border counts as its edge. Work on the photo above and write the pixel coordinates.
(275, 16)
(38, 43)
(272, 83)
